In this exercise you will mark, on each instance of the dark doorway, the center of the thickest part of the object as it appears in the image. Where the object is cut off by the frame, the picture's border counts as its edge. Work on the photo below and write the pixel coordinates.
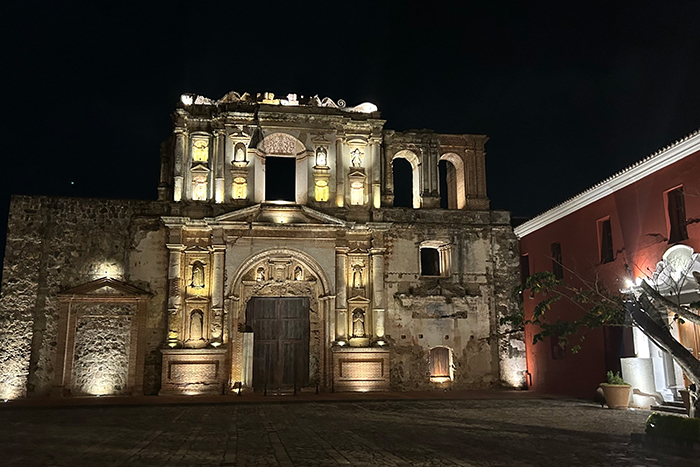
(403, 183)
(281, 341)
(280, 179)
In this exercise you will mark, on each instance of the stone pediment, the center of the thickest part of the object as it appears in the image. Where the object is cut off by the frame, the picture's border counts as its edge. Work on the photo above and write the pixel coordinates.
(104, 287)
(274, 213)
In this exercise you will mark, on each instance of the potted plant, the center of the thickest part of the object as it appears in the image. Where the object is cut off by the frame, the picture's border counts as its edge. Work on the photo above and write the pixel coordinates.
(616, 391)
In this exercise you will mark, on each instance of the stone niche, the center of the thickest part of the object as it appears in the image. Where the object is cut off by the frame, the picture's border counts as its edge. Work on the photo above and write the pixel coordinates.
(100, 340)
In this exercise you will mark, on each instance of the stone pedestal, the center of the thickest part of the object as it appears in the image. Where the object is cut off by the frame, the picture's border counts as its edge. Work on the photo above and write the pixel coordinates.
(193, 371)
(360, 369)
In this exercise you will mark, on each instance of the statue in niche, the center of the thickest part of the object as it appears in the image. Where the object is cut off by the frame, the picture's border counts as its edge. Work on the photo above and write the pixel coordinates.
(298, 274)
(197, 325)
(357, 277)
(197, 281)
(200, 150)
(321, 157)
(240, 155)
(358, 323)
(356, 157)
(260, 274)
(199, 188)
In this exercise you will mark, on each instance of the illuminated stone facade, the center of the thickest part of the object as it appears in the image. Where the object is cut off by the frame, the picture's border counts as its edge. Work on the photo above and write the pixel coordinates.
(277, 257)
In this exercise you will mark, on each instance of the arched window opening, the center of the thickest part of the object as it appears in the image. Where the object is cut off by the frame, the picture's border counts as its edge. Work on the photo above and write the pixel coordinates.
(280, 183)
(403, 183)
(448, 185)
(453, 193)
(441, 369)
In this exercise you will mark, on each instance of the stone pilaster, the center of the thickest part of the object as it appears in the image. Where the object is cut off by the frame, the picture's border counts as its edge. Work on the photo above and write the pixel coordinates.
(179, 162)
(341, 256)
(340, 173)
(378, 291)
(374, 152)
(217, 293)
(219, 162)
(175, 294)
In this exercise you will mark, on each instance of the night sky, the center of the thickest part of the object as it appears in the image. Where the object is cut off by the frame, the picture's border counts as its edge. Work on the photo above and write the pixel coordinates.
(568, 95)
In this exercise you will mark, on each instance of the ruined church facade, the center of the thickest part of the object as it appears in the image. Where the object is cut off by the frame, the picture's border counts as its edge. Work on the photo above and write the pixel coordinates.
(296, 245)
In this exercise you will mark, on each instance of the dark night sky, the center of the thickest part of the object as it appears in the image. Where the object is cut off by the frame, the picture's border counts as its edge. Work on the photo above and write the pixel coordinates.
(568, 94)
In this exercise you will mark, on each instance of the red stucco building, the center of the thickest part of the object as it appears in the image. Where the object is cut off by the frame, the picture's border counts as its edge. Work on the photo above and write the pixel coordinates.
(615, 232)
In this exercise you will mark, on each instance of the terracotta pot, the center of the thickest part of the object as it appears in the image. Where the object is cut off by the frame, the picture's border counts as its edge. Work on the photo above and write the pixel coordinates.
(617, 396)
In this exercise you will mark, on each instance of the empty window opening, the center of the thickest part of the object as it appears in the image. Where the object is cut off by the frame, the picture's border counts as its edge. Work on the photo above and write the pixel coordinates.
(448, 185)
(605, 241)
(675, 205)
(524, 268)
(403, 183)
(440, 365)
(429, 261)
(434, 258)
(280, 174)
(557, 267)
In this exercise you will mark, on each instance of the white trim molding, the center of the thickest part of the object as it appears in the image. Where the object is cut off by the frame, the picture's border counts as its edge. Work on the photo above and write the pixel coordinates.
(660, 159)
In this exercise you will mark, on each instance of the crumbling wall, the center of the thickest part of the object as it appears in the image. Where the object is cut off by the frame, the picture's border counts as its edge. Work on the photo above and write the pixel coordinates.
(459, 311)
(511, 343)
(58, 243)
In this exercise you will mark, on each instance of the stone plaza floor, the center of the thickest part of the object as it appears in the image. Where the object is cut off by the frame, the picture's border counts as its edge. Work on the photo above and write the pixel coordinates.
(468, 431)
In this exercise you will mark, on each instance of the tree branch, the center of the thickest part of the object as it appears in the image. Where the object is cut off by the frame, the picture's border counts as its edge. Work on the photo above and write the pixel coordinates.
(669, 305)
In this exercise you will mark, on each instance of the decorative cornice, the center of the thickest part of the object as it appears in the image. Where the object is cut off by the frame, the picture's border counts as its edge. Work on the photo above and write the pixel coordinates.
(656, 161)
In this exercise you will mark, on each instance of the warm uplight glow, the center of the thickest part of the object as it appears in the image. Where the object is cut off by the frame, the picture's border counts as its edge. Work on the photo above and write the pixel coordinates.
(106, 268)
(341, 343)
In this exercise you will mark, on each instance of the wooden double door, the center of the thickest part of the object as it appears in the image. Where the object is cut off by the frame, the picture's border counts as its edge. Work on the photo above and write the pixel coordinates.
(280, 328)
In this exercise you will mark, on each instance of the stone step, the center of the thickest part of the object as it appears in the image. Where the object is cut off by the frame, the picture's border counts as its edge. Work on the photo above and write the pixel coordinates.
(670, 407)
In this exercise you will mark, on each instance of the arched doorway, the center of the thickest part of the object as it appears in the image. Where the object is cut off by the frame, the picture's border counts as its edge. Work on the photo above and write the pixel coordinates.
(279, 304)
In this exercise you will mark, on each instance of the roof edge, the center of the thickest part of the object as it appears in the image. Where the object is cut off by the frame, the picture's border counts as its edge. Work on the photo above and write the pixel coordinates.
(658, 160)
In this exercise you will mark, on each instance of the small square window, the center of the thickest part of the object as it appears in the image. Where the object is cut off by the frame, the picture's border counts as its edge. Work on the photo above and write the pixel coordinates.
(434, 258)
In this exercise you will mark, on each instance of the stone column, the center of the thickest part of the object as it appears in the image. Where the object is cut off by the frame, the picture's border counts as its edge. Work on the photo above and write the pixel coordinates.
(217, 293)
(339, 173)
(378, 290)
(219, 163)
(341, 287)
(175, 331)
(179, 162)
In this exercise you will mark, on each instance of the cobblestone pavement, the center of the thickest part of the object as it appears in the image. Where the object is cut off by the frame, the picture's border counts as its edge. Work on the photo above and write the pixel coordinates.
(530, 432)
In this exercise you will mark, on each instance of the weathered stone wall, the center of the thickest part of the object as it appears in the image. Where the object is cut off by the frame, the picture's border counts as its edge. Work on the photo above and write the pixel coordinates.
(57, 243)
(102, 342)
(459, 311)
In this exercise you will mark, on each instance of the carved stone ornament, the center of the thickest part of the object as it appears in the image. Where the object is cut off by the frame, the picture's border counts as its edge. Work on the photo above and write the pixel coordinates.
(280, 144)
